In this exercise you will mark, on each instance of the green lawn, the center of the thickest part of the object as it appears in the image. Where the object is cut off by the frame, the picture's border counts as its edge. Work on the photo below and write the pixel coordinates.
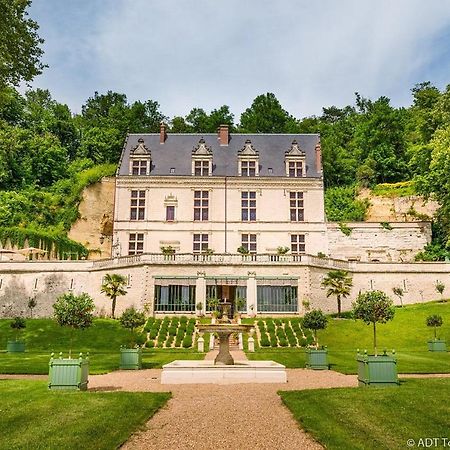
(407, 334)
(373, 418)
(32, 417)
(102, 341)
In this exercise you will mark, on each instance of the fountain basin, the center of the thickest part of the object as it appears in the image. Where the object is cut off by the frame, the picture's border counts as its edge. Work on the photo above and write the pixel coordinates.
(204, 372)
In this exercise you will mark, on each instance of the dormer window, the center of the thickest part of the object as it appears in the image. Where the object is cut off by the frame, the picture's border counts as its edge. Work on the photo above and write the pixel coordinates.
(140, 159)
(202, 160)
(248, 161)
(295, 161)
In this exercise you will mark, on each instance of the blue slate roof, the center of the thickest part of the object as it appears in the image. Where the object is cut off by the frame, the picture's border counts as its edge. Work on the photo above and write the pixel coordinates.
(176, 152)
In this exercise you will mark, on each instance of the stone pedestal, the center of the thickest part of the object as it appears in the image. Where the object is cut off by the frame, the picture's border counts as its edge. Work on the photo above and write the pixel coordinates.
(224, 356)
(201, 345)
(251, 344)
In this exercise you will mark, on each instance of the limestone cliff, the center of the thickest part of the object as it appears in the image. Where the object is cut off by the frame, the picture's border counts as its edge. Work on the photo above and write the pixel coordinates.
(95, 226)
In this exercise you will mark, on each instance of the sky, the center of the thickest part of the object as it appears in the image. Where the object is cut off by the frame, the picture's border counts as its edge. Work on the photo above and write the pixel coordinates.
(207, 53)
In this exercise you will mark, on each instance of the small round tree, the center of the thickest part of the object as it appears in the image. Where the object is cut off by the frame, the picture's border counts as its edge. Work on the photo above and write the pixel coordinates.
(373, 307)
(17, 325)
(440, 287)
(315, 320)
(399, 292)
(75, 312)
(32, 303)
(434, 321)
(132, 319)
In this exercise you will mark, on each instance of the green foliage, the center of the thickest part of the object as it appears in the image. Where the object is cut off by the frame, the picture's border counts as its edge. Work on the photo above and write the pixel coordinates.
(113, 286)
(400, 189)
(342, 205)
(373, 307)
(386, 226)
(440, 287)
(74, 311)
(19, 32)
(338, 283)
(345, 229)
(434, 320)
(283, 250)
(132, 319)
(18, 323)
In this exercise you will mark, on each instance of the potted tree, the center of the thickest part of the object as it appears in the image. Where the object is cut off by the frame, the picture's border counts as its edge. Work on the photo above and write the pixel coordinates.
(113, 286)
(339, 284)
(131, 356)
(199, 307)
(16, 346)
(76, 313)
(436, 345)
(213, 304)
(374, 307)
(316, 357)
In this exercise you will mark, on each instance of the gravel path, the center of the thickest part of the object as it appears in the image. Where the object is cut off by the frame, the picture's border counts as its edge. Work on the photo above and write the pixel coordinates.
(239, 416)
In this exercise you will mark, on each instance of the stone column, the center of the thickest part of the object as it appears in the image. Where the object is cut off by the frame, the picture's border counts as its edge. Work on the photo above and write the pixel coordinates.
(200, 291)
(201, 344)
(251, 293)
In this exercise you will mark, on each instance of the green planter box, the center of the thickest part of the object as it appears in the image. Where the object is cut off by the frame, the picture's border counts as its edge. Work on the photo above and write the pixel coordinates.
(65, 373)
(437, 345)
(378, 370)
(131, 358)
(15, 347)
(317, 359)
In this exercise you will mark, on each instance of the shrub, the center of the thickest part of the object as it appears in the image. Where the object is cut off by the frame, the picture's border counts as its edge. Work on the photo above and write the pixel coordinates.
(132, 319)
(264, 342)
(172, 330)
(183, 320)
(141, 339)
(187, 342)
(283, 342)
(149, 324)
(302, 342)
(150, 344)
(18, 324)
(169, 341)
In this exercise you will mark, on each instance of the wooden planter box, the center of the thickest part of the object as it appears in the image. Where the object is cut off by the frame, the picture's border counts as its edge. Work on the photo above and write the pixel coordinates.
(131, 358)
(15, 347)
(378, 370)
(65, 373)
(317, 359)
(437, 345)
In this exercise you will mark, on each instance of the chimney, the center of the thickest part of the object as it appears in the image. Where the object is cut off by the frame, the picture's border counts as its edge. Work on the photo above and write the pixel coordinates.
(318, 158)
(162, 133)
(224, 136)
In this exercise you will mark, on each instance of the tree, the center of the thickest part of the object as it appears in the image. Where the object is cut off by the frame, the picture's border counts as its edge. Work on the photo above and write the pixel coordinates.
(114, 286)
(434, 321)
(338, 283)
(373, 307)
(75, 312)
(18, 324)
(398, 291)
(264, 116)
(20, 51)
(440, 287)
(315, 320)
(32, 303)
(132, 319)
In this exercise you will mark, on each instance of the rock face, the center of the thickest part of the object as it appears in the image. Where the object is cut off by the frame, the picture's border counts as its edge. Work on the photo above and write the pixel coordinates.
(96, 219)
(411, 208)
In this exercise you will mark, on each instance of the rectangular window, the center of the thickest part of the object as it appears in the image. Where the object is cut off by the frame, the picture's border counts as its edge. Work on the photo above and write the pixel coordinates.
(295, 168)
(201, 168)
(297, 244)
(200, 243)
(137, 209)
(296, 206)
(248, 168)
(139, 167)
(277, 298)
(170, 213)
(201, 205)
(249, 242)
(136, 244)
(248, 206)
(174, 298)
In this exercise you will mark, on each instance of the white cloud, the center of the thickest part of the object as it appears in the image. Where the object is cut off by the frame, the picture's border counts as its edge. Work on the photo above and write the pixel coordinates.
(188, 53)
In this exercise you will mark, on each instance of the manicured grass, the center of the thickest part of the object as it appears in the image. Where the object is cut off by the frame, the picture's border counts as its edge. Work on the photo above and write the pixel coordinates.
(37, 362)
(373, 418)
(407, 334)
(35, 418)
(102, 341)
